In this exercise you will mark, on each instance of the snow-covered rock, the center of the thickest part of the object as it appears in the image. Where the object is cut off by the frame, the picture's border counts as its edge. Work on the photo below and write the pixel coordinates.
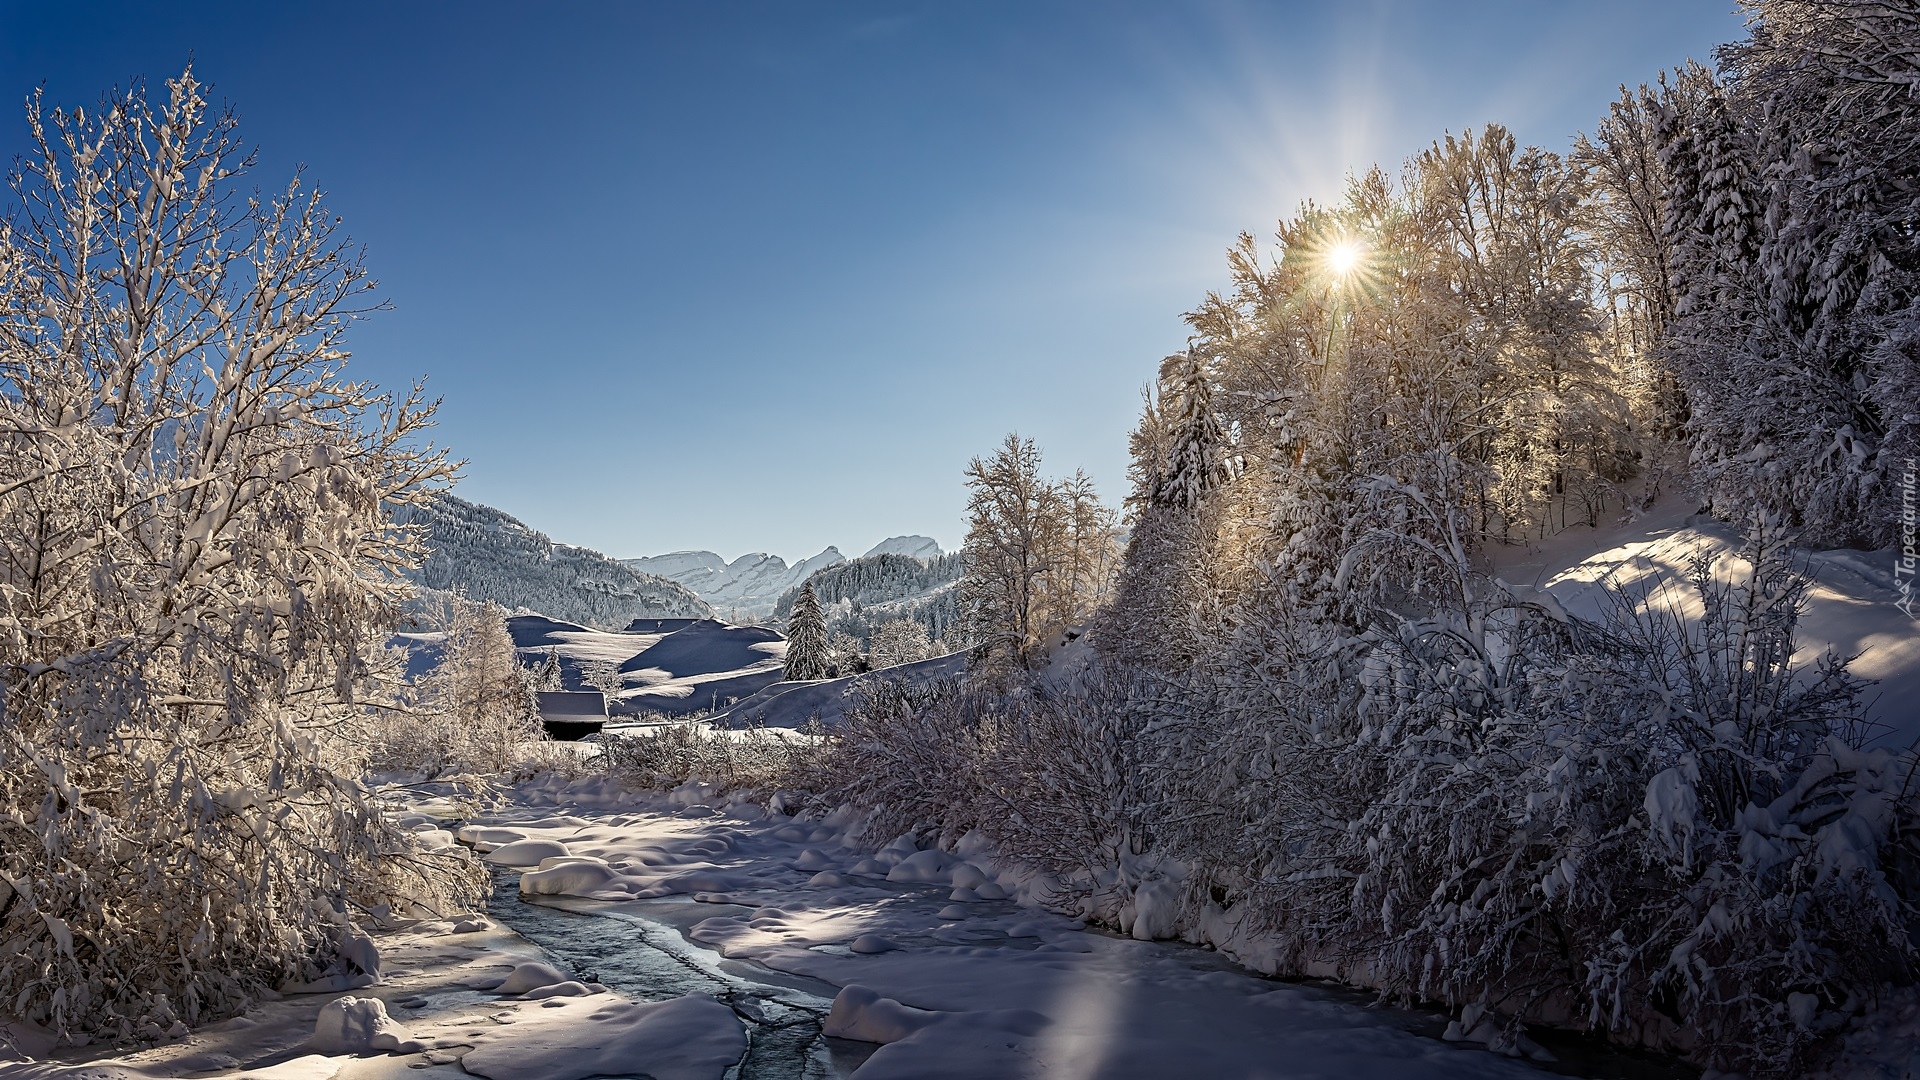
(527, 852)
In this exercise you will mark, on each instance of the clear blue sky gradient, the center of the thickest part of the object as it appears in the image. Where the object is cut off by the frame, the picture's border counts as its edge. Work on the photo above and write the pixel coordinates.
(763, 276)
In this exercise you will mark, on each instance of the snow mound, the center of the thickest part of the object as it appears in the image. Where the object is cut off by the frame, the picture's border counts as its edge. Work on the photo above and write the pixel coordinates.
(670, 665)
(591, 879)
(708, 647)
(531, 976)
(684, 1038)
(527, 852)
(361, 1026)
(864, 1016)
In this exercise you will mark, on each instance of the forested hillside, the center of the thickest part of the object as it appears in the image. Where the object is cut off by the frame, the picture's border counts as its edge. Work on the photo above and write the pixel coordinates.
(860, 595)
(486, 554)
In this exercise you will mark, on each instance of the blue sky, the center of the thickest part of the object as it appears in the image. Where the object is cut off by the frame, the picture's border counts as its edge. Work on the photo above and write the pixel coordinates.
(763, 276)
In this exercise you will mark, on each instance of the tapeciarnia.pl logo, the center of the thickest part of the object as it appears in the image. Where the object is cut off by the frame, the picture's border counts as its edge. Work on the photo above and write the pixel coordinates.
(1908, 560)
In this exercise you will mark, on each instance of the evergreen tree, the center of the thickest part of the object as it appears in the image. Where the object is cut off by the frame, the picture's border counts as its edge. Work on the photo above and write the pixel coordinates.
(1791, 223)
(808, 653)
(1151, 619)
(1197, 459)
(546, 674)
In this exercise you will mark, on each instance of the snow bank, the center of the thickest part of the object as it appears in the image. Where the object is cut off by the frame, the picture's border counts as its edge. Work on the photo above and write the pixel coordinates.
(794, 704)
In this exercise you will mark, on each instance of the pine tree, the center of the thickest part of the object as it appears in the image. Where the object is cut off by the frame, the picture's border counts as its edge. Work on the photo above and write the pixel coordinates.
(808, 654)
(1150, 621)
(546, 674)
(1197, 458)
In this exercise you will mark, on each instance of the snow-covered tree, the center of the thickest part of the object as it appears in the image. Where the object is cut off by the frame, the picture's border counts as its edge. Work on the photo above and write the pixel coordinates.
(808, 653)
(900, 642)
(546, 674)
(1626, 217)
(473, 712)
(1793, 257)
(604, 676)
(1161, 579)
(846, 655)
(1039, 554)
(199, 567)
(1198, 458)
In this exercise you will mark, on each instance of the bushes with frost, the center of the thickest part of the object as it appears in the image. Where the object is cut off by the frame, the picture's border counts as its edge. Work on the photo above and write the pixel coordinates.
(198, 571)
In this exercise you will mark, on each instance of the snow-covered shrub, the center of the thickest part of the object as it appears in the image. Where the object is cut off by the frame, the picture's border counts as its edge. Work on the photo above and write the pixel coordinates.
(1655, 825)
(668, 755)
(1046, 770)
(198, 571)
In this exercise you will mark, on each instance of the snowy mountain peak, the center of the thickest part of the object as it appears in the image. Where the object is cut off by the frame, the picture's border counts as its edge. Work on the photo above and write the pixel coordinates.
(747, 587)
(912, 546)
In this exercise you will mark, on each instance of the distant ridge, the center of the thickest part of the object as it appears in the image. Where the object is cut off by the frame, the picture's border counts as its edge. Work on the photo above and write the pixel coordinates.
(913, 547)
(487, 554)
(745, 588)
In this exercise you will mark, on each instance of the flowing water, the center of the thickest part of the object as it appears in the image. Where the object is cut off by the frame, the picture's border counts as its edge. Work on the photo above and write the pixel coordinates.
(640, 948)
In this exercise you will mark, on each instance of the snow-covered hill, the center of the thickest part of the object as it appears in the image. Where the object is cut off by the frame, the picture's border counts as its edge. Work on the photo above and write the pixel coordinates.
(695, 666)
(487, 554)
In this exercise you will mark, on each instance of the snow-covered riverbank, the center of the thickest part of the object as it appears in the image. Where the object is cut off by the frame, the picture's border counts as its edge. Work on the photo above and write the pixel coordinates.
(926, 953)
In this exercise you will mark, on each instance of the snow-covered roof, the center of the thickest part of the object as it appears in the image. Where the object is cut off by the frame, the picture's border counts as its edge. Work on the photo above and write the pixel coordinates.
(571, 704)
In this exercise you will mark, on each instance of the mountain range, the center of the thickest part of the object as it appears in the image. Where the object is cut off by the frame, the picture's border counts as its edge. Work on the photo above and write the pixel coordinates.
(750, 586)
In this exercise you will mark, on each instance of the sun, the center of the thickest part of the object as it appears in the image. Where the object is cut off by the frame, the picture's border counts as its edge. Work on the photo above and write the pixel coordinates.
(1343, 257)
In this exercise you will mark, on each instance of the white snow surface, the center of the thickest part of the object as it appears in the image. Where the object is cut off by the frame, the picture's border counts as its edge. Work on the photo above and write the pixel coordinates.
(944, 959)
(701, 665)
(793, 704)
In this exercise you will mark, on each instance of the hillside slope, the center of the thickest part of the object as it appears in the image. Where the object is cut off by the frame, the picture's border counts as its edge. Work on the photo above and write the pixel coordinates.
(487, 554)
(697, 666)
